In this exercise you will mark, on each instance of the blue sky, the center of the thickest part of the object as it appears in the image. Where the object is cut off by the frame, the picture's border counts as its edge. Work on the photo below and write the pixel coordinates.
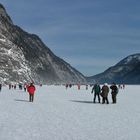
(91, 35)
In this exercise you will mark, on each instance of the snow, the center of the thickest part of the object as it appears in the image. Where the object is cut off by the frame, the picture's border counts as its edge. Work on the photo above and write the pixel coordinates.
(3, 40)
(9, 52)
(14, 54)
(130, 58)
(118, 69)
(60, 114)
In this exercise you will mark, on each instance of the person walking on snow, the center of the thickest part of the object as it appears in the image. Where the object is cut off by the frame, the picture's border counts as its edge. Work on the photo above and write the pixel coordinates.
(114, 92)
(96, 88)
(31, 91)
(104, 94)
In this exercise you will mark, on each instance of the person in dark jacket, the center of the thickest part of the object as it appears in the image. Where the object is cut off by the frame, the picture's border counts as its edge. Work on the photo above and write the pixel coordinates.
(104, 94)
(31, 90)
(96, 88)
(114, 92)
(0, 87)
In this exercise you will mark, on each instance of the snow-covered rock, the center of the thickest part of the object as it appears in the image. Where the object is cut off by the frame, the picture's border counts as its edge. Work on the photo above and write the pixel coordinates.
(24, 57)
(126, 71)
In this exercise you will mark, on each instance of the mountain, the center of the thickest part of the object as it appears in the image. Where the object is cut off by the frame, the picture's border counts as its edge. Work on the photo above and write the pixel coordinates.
(24, 57)
(126, 71)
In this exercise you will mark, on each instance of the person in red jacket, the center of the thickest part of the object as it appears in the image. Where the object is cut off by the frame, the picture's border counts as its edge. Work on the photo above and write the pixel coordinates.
(31, 90)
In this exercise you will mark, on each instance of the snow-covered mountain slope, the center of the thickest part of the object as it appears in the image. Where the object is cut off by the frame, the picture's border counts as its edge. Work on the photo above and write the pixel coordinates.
(126, 71)
(24, 57)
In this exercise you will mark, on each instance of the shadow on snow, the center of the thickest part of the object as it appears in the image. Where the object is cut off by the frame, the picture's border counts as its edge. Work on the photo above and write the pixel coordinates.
(87, 102)
(18, 100)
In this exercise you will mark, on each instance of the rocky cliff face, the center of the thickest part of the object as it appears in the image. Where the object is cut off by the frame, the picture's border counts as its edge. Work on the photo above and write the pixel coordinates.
(24, 57)
(126, 71)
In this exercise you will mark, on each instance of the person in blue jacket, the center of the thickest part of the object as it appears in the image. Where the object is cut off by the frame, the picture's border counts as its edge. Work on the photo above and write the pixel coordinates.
(96, 88)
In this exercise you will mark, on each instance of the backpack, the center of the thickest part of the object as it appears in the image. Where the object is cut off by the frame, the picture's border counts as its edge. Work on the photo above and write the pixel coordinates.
(117, 90)
(97, 89)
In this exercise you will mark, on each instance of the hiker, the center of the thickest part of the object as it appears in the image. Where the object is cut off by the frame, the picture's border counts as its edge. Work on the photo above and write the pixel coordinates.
(104, 94)
(96, 88)
(114, 92)
(31, 90)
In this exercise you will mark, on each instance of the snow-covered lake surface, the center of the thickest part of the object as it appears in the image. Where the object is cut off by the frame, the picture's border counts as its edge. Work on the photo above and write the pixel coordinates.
(60, 114)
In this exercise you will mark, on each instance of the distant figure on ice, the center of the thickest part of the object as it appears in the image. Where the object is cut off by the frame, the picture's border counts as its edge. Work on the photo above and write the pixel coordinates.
(31, 90)
(114, 92)
(70, 85)
(96, 88)
(119, 86)
(66, 86)
(0, 87)
(104, 94)
(86, 86)
(123, 86)
(10, 86)
(78, 86)
(14, 86)
(25, 87)
(20, 86)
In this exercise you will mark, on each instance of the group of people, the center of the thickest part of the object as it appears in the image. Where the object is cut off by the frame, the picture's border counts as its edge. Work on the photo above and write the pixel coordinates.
(100, 92)
(103, 93)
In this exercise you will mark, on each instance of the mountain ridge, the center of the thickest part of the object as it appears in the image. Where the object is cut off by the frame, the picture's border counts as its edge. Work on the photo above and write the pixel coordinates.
(126, 71)
(24, 57)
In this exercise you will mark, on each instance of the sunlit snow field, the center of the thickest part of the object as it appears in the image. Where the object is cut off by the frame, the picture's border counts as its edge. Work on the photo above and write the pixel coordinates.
(60, 114)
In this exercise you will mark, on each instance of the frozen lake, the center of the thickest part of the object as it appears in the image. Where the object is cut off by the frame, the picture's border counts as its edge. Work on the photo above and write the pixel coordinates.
(60, 114)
